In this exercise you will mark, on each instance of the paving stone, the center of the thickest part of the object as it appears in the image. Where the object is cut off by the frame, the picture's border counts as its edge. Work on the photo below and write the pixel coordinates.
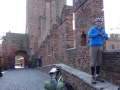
(23, 79)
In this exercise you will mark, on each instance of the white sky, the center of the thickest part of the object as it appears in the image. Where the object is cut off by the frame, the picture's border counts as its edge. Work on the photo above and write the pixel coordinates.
(13, 15)
(112, 15)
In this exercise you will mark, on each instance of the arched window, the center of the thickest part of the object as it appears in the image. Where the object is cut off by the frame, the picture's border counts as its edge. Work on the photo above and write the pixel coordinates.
(83, 38)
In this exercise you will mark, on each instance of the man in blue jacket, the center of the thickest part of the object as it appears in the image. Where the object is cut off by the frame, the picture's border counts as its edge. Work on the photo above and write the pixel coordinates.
(96, 34)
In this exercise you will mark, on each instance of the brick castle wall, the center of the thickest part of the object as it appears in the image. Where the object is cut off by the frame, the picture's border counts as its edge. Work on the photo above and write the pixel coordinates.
(63, 44)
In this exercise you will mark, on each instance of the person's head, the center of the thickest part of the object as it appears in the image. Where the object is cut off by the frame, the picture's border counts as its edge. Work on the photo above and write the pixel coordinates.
(0, 58)
(99, 21)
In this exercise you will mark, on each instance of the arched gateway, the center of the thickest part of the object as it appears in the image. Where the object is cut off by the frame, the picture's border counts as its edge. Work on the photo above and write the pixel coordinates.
(23, 60)
(15, 45)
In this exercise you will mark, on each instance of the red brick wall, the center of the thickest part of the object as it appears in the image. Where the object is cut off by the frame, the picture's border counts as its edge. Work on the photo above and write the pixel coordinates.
(65, 45)
(55, 45)
(59, 43)
(111, 66)
(41, 15)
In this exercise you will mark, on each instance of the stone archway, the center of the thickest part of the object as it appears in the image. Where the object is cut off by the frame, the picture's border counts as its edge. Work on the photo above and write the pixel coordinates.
(23, 54)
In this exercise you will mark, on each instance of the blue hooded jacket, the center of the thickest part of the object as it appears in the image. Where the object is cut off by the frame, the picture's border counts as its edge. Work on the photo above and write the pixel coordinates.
(95, 39)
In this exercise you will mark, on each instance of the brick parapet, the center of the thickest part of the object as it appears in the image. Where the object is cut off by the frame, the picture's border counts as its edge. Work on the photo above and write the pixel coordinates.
(78, 79)
(111, 66)
(75, 81)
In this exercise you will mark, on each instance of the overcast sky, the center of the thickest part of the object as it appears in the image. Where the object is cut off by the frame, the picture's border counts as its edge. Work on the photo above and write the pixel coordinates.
(13, 15)
(112, 14)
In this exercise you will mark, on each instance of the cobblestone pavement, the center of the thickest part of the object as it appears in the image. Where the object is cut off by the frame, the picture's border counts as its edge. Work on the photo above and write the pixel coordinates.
(23, 79)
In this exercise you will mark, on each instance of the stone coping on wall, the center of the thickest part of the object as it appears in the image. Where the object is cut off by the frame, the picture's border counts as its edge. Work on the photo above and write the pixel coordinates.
(85, 77)
(112, 50)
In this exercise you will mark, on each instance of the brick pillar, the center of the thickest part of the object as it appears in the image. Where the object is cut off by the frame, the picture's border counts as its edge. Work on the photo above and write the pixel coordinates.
(55, 42)
(51, 47)
(48, 50)
(43, 51)
(69, 34)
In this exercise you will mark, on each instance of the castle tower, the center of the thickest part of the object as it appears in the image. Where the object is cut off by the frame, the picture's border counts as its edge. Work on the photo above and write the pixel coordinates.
(40, 16)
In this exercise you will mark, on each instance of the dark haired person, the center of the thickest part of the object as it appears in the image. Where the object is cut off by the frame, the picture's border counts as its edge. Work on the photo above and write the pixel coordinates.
(96, 34)
(1, 65)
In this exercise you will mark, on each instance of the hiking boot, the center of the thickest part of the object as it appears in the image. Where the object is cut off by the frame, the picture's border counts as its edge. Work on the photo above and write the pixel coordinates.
(98, 78)
(93, 80)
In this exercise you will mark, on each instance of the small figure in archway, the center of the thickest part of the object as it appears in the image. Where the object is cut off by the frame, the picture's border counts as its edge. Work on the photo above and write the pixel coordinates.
(21, 64)
(13, 65)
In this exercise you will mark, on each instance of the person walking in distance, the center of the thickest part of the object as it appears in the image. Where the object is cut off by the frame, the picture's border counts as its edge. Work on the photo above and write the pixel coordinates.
(96, 34)
(1, 65)
(13, 65)
(40, 61)
(35, 62)
(8, 65)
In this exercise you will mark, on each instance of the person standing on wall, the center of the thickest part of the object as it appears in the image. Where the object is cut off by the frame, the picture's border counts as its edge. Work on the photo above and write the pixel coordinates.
(96, 34)
(1, 65)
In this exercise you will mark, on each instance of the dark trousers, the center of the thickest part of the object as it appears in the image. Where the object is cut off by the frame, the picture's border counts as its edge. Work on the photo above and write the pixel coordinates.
(1, 71)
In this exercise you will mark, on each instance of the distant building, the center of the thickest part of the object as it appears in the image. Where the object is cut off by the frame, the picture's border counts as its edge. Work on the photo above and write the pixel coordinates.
(113, 42)
(114, 30)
